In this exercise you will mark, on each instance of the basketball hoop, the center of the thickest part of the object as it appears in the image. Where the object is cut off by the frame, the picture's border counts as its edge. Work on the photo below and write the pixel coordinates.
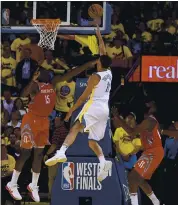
(47, 28)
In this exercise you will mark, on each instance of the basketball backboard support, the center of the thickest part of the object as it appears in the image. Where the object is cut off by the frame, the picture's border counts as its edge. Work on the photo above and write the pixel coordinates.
(66, 26)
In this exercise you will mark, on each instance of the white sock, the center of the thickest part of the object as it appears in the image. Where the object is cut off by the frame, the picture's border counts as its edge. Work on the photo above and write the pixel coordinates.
(35, 177)
(153, 198)
(134, 198)
(101, 159)
(63, 148)
(15, 177)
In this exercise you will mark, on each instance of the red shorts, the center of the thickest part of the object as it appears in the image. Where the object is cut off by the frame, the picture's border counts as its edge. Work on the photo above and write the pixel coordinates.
(34, 131)
(149, 162)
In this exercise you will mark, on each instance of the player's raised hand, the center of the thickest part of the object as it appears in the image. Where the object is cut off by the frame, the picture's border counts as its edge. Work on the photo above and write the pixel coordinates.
(97, 21)
(97, 30)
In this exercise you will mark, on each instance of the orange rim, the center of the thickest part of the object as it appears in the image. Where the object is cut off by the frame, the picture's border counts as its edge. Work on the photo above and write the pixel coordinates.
(45, 21)
(49, 24)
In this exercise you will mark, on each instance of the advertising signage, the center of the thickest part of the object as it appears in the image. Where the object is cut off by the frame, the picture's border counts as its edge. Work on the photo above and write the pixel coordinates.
(159, 69)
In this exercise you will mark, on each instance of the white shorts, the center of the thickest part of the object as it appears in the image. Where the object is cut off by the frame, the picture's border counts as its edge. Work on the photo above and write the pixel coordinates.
(94, 117)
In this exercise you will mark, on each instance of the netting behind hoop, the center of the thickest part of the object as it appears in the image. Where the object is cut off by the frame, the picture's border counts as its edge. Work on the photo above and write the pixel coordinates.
(47, 28)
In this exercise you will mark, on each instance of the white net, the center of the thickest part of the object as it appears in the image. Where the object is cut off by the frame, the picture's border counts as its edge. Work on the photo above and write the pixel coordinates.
(48, 32)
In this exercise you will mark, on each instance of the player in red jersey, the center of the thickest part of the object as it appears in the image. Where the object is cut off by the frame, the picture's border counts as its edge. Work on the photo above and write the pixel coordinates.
(35, 126)
(151, 157)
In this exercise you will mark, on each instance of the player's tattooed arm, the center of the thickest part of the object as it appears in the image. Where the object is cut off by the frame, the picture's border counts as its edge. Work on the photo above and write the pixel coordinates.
(102, 47)
(74, 72)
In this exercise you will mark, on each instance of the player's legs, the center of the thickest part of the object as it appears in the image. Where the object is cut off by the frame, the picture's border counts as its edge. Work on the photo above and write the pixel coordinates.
(36, 168)
(77, 127)
(52, 172)
(60, 154)
(26, 146)
(135, 181)
(105, 166)
(12, 185)
(144, 168)
(96, 133)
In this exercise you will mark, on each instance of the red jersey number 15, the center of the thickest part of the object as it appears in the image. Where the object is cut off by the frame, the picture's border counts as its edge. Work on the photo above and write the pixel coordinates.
(47, 99)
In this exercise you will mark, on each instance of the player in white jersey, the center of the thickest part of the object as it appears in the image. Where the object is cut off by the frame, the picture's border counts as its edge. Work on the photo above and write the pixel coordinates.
(94, 115)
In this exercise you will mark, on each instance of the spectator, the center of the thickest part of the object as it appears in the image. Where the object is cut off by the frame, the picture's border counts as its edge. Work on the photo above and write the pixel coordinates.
(51, 64)
(8, 103)
(7, 166)
(12, 147)
(25, 69)
(8, 130)
(65, 96)
(17, 132)
(171, 144)
(155, 23)
(15, 119)
(171, 168)
(8, 67)
(145, 34)
(135, 44)
(123, 144)
(115, 27)
(117, 50)
(18, 44)
(4, 116)
(37, 53)
(19, 106)
(58, 138)
(121, 55)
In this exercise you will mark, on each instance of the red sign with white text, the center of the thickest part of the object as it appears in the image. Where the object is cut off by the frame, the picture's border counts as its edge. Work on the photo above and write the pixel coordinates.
(159, 69)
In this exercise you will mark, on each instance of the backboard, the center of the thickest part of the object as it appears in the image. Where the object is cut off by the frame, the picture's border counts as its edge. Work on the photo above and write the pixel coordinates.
(21, 13)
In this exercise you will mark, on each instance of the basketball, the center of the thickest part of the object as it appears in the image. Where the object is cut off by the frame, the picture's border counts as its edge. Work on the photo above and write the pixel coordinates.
(95, 10)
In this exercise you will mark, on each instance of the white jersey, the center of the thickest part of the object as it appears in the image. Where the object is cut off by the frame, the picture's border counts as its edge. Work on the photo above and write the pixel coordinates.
(101, 92)
(95, 113)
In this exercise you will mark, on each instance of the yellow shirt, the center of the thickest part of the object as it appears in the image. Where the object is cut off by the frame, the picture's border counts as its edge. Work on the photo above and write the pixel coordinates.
(65, 96)
(89, 41)
(121, 53)
(171, 29)
(155, 24)
(126, 147)
(8, 165)
(118, 27)
(17, 45)
(9, 65)
(114, 29)
(62, 64)
(146, 36)
(50, 66)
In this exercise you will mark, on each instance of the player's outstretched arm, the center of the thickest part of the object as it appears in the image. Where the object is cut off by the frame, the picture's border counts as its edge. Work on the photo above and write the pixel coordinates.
(144, 125)
(92, 82)
(170, 133)
(66, 37)
(74, 72)
(32, 88)
(102, 47)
